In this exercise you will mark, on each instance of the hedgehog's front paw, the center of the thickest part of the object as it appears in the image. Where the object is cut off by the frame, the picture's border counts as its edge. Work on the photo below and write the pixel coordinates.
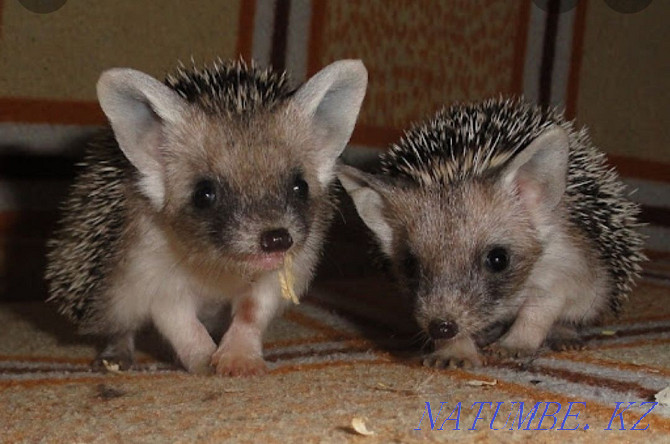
(238, 364)
(460, 352)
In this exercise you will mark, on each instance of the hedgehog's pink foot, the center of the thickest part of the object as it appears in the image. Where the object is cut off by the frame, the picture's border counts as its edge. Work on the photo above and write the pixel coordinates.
(237, 364)
(454, 353)
(240, 352)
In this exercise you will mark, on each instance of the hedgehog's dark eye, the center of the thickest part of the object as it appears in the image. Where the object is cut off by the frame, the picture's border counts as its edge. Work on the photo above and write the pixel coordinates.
(300, 189)
(204, 194)
(497, 259)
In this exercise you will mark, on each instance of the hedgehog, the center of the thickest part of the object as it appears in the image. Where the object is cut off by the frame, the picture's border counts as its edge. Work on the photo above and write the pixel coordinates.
(211, 191)
(506, 228)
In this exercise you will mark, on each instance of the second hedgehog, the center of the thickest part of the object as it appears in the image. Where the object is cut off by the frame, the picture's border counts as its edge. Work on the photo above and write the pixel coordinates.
(500, 219)
(209, 183)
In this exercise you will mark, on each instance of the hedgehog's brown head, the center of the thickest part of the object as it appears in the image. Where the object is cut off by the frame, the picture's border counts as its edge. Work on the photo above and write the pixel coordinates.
(245, 181)
(464, 250)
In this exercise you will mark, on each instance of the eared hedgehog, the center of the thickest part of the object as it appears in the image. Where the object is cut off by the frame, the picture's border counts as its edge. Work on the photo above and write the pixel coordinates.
(206, 189)
(502, 222)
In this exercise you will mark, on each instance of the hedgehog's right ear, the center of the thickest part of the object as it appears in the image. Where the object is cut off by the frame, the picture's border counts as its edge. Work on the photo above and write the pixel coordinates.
(330, 101)
(367, 194)
(539, 172)
(138, 108)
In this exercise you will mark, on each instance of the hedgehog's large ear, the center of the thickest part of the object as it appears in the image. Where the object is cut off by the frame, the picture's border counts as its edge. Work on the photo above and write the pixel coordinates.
(367, 194)
(138, 108)
(331, 101)
(539, 172)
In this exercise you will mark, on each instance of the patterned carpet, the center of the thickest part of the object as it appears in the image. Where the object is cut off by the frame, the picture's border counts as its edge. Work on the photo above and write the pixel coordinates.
(346, 351)
(343, 353)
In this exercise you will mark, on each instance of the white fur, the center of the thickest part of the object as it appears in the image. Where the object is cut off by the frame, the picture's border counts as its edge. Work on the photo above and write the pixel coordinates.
(155, 285)
(564, 286)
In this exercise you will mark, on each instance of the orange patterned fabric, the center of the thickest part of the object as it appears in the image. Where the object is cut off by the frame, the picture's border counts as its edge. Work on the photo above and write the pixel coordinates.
(423, 54)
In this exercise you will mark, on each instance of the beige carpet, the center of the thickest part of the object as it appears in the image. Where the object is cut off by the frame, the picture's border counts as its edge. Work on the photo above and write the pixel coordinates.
(337, 356)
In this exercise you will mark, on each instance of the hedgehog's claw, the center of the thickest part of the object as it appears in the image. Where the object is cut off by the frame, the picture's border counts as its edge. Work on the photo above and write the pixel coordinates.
(502, 352)
(228, 364)
(448, 359)
(562, 338)
(118, 352)
(103, 362)
(450, 362)
(566, 344)
(458, 352)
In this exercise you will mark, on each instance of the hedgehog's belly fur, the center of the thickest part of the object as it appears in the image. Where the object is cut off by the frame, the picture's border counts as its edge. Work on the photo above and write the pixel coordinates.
(571, 273)
(151, 278)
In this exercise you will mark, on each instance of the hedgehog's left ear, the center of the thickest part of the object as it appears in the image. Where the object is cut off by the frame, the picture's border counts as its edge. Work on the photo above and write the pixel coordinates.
(331, 101)
(139, 108)
(539, 172)
(368, 196)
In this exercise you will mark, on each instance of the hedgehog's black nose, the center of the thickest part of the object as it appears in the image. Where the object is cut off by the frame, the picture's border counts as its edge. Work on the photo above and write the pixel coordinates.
(439, 329)
(276, 240)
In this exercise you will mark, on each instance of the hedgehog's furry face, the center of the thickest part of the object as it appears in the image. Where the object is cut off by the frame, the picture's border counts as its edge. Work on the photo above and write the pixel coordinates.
(237, 169)
(245, 191)
(462, 254)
